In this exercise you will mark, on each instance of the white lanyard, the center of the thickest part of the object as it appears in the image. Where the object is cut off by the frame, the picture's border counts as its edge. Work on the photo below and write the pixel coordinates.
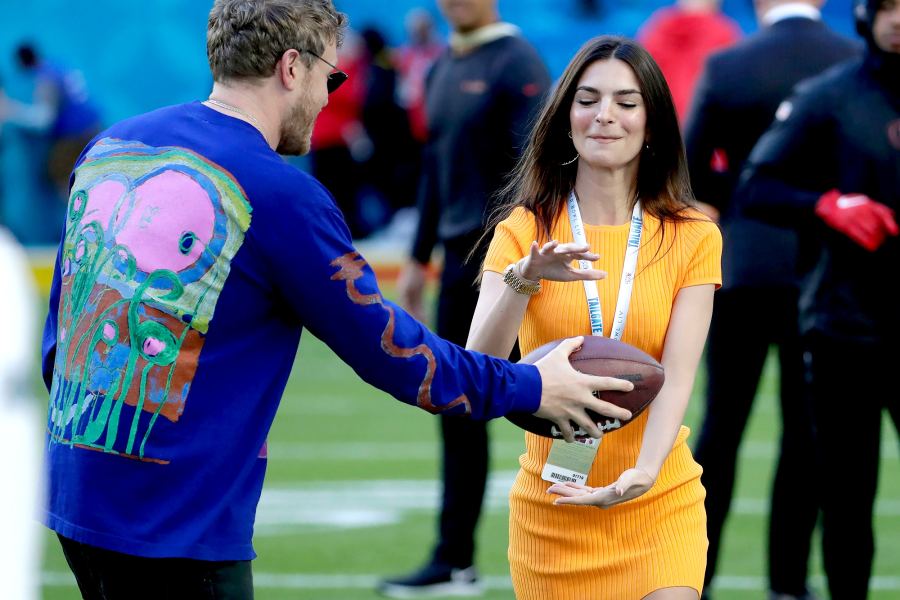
(628, 269)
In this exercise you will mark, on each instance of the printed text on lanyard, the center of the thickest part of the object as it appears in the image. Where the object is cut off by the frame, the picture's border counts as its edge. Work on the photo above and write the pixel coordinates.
(628, 269)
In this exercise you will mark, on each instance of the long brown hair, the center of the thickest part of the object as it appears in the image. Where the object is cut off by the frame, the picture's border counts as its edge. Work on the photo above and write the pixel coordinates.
(541, 182)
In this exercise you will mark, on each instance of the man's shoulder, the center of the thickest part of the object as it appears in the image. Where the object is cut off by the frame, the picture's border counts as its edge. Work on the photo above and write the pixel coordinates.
(772, 47)
(518, 43)
(755, 47)
(832, 81)
(294, 180)
(282, 189)
(516, 49)
(515, 60)
(149, 126)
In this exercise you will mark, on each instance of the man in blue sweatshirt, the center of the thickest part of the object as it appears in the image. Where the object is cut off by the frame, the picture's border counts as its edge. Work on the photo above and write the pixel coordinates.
(193, 257)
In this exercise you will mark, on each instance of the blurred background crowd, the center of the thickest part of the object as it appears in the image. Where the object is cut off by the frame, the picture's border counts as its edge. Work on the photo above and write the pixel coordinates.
(64, 80)
(65, 74)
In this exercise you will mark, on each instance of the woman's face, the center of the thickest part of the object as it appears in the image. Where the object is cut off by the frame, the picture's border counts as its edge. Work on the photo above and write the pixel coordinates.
(608, 116)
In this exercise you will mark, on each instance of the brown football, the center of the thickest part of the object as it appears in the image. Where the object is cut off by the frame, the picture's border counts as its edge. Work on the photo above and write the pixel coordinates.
(608, 358)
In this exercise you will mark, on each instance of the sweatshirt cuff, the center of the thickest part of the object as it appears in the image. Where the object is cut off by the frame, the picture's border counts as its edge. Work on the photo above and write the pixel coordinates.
(526, 395)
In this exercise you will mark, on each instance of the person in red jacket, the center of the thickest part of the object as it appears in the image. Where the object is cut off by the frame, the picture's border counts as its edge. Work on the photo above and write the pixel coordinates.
(339, 141)
(680, 38)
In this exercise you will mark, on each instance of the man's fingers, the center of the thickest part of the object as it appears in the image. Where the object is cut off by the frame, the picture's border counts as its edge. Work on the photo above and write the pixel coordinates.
(570, 345)
(587, 424)
(607, 409)
(565, 428)
(612, 384)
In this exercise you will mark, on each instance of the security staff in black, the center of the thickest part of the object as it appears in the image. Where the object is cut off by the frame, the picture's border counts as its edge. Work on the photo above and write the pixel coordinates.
(830, 166)
(735, 102)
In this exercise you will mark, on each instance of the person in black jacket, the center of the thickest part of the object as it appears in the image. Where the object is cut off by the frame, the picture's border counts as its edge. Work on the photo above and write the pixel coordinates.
(480, 96)
(734, 104)
(830, 166)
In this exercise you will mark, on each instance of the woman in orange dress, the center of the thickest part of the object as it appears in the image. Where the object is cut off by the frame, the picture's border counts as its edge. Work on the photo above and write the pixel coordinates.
(603, 181)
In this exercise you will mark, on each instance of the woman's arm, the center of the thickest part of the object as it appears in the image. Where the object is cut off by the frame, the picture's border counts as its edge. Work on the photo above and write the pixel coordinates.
(683, 348)
(498, 315)
(500, 309)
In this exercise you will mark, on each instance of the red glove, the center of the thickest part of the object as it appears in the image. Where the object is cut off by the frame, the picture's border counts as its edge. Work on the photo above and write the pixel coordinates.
(866, 222)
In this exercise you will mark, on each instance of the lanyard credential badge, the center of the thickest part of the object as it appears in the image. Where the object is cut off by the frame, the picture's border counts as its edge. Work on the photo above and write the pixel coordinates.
(571, 462)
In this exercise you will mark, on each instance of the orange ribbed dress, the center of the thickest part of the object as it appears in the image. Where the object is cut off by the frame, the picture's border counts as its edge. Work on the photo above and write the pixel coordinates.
(659, 539)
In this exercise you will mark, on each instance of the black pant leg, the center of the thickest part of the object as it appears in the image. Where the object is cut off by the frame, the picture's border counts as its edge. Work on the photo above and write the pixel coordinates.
(794, 510)
(465, 442)
(82, 568)
(847, 420)
(108, 575)
(735, 357)
(893, 406)
(336, 169)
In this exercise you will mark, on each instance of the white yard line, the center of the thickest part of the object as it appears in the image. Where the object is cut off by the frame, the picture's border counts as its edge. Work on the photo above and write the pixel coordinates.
(426, 451)
(285, 510)
(348, 581)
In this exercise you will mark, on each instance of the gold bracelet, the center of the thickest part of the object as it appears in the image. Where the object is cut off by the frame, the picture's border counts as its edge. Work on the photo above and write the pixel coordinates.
(519, 284)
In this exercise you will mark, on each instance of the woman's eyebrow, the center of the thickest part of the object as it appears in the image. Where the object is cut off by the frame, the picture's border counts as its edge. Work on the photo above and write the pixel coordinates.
(593, 90)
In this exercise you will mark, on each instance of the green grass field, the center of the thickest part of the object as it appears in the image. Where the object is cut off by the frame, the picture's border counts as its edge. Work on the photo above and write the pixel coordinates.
(351, 495)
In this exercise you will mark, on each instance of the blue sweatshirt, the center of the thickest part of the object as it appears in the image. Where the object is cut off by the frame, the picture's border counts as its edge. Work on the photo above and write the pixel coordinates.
(193, 257)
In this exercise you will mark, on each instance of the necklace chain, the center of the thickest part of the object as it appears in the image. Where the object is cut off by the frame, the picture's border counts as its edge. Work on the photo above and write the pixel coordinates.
(235, 109)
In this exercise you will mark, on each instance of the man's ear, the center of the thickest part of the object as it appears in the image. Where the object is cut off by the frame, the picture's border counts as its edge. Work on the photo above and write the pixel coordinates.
(290, 69)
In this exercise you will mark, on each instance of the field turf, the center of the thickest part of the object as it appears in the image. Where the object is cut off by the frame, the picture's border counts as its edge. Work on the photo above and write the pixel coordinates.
(351, 494)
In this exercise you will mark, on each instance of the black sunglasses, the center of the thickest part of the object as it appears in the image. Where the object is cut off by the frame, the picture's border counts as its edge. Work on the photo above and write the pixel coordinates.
(336, 78)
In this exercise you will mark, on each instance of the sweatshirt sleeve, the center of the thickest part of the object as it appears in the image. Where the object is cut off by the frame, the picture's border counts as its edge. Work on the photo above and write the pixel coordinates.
(335, 294)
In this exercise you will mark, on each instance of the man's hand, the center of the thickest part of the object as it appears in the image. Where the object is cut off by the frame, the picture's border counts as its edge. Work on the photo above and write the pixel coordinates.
(410, 285)
(863, 220)
(631, 484)
(566, 394)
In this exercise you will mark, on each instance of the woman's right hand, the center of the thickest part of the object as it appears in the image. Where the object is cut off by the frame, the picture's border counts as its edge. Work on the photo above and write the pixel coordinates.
(554, 261)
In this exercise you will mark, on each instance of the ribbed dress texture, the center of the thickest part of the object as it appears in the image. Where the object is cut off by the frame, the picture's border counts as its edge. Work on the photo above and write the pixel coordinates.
(659, 539)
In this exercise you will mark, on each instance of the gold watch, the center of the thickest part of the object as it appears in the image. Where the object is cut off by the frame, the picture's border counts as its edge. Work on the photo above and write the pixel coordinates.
(519, 284)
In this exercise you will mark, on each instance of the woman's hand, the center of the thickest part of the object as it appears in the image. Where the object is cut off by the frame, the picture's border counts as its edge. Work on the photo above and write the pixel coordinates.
(631, 484)
(553, 261)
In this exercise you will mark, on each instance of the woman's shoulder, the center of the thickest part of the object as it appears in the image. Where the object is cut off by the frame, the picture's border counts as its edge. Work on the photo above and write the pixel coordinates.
(697, 220)
(691, 221)
(686, 233)
(520, 221)
(697, 234)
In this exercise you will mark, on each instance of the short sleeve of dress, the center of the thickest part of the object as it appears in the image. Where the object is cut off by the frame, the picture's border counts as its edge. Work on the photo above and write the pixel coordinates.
(512, 239)
(703, 249)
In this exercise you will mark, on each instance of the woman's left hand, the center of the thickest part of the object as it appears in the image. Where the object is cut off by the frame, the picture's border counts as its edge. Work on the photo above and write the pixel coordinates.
(631, 484)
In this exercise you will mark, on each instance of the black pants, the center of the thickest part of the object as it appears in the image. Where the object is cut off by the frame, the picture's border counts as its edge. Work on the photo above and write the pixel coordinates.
(107, 575)
(848, 401)
(340, 174)
(746, 321)
(465, 442)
